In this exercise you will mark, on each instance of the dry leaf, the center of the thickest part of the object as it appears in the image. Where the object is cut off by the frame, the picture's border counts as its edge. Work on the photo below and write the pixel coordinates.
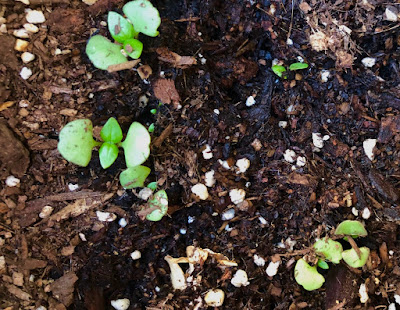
(165, 55)
(165, 91)
(63, 288)
(144, 72)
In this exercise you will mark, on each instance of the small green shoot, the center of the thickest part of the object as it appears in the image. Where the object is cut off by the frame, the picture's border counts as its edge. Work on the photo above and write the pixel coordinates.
(133, 48)
(144, 17)
(322, 264)
(120, 28)
(133, 177)
(329, 249)
(308, 276)
(153, 111)
(136, 145)
(278, 70)
(353, 260)
(151, 128)
(157, 206)
(351, 228)
(152, 186)
(298, 66)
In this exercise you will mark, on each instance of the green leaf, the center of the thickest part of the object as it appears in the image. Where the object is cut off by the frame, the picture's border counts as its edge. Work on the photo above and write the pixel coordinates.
(331, 250)
(298, 66)
(151, 128)
(103, 53)
(351, 228)
(278, 70)
(119, 27)
(153, 111)
(160, 203)
(134, 176)
(136, 145)
(108, 153)
(323, 264)
(144, 17)
(308, 276)
(76, 142)
(152, 186)
(351, 257)
(133, 48)
(111, 131)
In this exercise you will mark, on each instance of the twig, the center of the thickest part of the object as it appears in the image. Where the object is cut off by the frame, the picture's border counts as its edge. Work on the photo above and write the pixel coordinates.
(354, 246)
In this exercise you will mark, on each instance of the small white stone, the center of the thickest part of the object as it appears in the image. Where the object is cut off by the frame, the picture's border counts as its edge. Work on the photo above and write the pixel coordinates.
(289, 156)
(289, 41)
(12, 181)
(135, 255)
(272, 268)
(325, 75)
(216, 111)
(276, 61)
(368, 62)
(228, 215)
(250, 101)
(363, 293)
(182, 231)
(366, 213)
(369, 146)
(203, 61)
(283, 124)
(46, 211)
(120, 304)
(214, 298)
(3, 28)
(237, 195)
(157, 289)
(35, 17)
(57, 51)
(262, 220)
(27, 57)
(83, 237)
(243, 164)
(301, 161)
(105, 216)
(326, 137)
(21, 45)
(207, 153)
(27, 2)
(25, 73)
(240, 279)
(73, 187)
(191, 219)
(391, 252)
(272, 9)
(397, 298)
(209, 178)
(145, 193)
(392, 306)
(21, 33)
(390, 14)
(31, 28)
(122, 222)
(224, 164)
(354, 211)
(300, 59)
(318, 141)
(103, 23)
(258, 260)
(200, 190)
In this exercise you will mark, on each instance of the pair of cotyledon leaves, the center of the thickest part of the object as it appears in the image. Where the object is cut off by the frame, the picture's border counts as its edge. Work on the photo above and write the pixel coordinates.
(142, 16)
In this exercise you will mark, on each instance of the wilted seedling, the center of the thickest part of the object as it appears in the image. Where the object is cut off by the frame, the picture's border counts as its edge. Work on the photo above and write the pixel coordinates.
(157, 207)
(308, 276)
(351, 228)
(142, 17)
(329, 249)
(352, 258)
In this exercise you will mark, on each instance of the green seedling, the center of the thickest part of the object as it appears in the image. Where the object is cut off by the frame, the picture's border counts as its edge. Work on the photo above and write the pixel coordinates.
(353, 260)
(133, 177)
(298, 66)
(329, 249)
(136, 145)
(351, 228)
(308, 276)
(152, 186)
(322, 264)
(142, 16)
(156, 208)
(151, 128)
(281, 70)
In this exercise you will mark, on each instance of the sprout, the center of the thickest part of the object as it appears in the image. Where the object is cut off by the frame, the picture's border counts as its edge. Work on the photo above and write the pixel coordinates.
(351, 228)
(159, 205)
(102, 53)
(136, 145)
(134, 176)
(278, 70)
(308, 276)
(331, 250)
(144, 17)
(298, 66)
(353, 260)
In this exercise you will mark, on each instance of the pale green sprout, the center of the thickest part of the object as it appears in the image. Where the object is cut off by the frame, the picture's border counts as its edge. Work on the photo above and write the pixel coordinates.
(134, 176)
(159, 203)
(103, 53)
(353, 260)
(330, 250)
(351, 228)
(298, 66)
(144, 17)
(136, 145)
(308, 276)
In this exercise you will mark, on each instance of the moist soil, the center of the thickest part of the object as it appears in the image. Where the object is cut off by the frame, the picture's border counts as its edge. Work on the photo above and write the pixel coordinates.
(71, 260)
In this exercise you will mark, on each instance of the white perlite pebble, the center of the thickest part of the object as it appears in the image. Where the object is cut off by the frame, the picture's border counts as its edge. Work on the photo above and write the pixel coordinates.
(289, 156)
(21, 33)
(27, 57)
(21, 45)
(262, 220)
(25, 73)
(354, 211)
(258, 260)
(301, 161)
(243, 164)
(41, 308)
(289, 41)
(122, 222)
(31, 28)
(368, 62)
(272, 268)
(240, 279)
(366, 214)
(318, 141)
(73, 187)
(209, 178)
(46, 211)
(200, 190)
(237, 195)
(3, 28)
(390, 14)
(207, 153)
(282, 124)
(35, 17)
(325, 74)
(105, 216)
(250, 101)
(228, 215)
(214, 298)
(145, 193)
(135, 255)
(12, 181)
(363, 293)
(369, 146)
(120, 304)
(392, 306)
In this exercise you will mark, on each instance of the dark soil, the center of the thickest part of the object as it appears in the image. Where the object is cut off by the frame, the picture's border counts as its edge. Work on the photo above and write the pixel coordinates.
(287, 206)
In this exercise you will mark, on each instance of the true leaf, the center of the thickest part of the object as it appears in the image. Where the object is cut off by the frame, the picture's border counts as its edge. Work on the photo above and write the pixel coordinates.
(351, 257)
(323, 264)
(144, 17)
(160, 205)
(278, 70)
(108, 153)
(134, 176)
(111, 131)
(152, 186)
(133, 48)
(308, 276)
(136, 145)
(351, 228)
(76, 142)
(298, 66)
(119, 27)
(103, 53)
(331, 250)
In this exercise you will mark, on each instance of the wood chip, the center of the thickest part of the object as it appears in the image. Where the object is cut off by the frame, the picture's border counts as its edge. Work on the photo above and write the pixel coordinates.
(17, 292)
(182, 62)
(165, 91)
(6, 105)
(124, 66)
(63, 288)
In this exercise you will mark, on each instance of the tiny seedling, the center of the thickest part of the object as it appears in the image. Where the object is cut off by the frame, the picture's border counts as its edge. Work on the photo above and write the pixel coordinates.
(330, 250)
(308, 276)
(353, 259)
(142, 17)
(281, 70)
(351, 228)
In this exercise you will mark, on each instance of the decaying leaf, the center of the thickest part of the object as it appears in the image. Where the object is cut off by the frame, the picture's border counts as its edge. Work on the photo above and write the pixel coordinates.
(165, 91)
(182, 62)
(63, 288)
(144, 72)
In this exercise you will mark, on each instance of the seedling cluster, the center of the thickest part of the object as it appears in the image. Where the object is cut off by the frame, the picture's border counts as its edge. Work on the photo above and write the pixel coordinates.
(328, 250)
(281, 70)
(142, 17)
(76, 144)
